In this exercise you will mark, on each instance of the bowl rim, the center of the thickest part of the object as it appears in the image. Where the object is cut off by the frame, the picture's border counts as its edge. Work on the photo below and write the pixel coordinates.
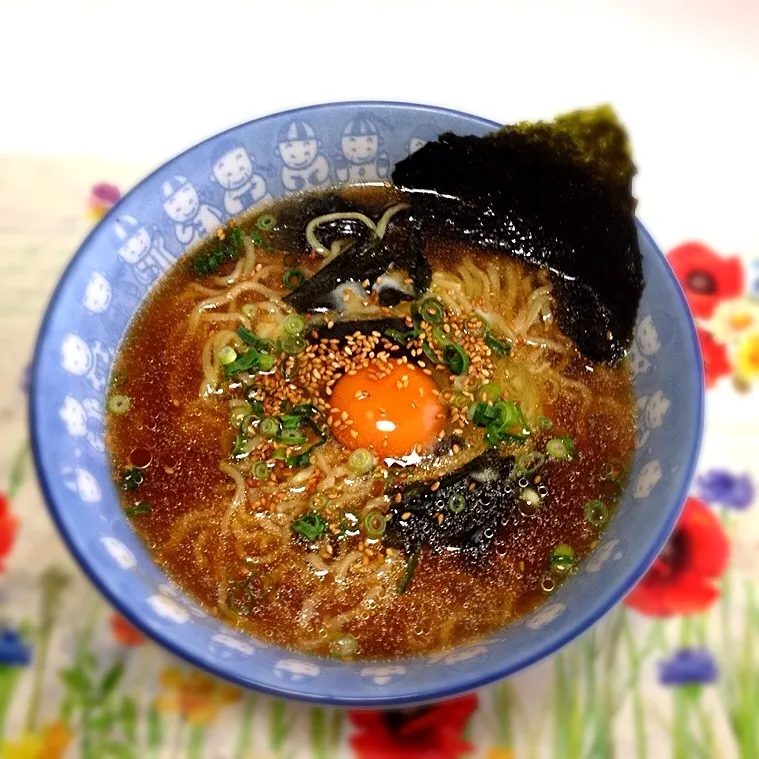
(427, 694)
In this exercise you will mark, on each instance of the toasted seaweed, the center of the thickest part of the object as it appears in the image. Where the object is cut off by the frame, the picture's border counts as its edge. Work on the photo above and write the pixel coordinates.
(489, 499)
(366, 259)
(556, 195)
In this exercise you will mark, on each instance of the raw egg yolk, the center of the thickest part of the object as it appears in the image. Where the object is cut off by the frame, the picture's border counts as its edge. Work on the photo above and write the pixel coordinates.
(393, 413)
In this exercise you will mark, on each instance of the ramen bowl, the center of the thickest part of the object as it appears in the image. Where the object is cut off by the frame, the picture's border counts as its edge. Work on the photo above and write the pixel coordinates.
(113, 272)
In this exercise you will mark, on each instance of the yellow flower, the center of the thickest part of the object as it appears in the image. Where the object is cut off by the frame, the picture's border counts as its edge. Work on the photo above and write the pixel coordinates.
(732, 319)
(747, 358)
(195, 695)
(51, 743)
(499, 753)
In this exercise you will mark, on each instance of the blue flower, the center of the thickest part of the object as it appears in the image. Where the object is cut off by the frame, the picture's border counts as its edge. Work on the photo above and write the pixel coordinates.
(688, 666)
(720, 487)
(13, 651)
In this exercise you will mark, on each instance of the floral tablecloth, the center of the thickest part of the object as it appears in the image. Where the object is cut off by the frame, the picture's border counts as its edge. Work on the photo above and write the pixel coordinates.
(674, 672)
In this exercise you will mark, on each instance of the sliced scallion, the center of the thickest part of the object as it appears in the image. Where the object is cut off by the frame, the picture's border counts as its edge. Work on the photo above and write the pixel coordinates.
(545, 422)
(410, 569)
(119, 404)
(374, 524)
(562, 558)
(311, 526)
(561, 448)
(294, 324)
(269, 427)
(293, 278)
(292, 345)
(292, 437)
(344, 646)
(456, 503)
(249, 310)
(266, 362)
(260, 470)
(361, 461)
(596, 513)
(432, 311)
(429, 351)
(238, 414)
(226, 355)
(266, 221)
(456, 358)
(132, 478)
(319, 501)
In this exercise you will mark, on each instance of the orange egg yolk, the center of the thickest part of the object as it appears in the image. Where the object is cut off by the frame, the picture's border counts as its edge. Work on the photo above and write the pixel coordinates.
(393, 414)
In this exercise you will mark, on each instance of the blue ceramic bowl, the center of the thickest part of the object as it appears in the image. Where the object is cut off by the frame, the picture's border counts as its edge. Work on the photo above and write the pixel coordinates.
(132, 247)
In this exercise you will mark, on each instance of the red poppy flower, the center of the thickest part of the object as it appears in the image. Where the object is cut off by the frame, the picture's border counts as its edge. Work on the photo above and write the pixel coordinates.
(124, 633)
(714, 355)
(8, 529)
(682, 579)
(431, 732)
(706, 277)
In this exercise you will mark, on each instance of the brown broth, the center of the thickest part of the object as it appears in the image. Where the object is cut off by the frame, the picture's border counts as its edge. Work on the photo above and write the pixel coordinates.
(450, 600)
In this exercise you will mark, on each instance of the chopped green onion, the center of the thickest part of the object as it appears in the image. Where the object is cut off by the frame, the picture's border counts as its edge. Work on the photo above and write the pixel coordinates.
(562, 558)
(375, 524)
(292, 345)
(223, 249)
(409, 572)
(361, 461)
(319, 501)
(529, 463)
(266, 221)
(140, 508)
(596, 513)
(344, 646)
(456, 358)
(260, 470)
(459, 400)
(256, 408)
(248, 337)
(292, 437)
(496, 345)
(255, 235)
(545, 422)
(119, 404)
(226, 355)
(293, 278)
(238, 415)
(439, 336)
(561, 448)
(291, 421)
(399, 336)
(430, 353)
(530, 496)
(239, 448)
(249, 361)
(294, 324)
(269, 427)
(311, 526)
(456, 503)
(432, 311)
(249, 310)
(132, 478)
(491, 392)
(266, 362)
(279, 454)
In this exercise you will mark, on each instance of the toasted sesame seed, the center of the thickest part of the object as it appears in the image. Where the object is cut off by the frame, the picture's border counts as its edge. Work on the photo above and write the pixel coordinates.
(440, 518)
(435, 486)
(398, 498)
(406, 516)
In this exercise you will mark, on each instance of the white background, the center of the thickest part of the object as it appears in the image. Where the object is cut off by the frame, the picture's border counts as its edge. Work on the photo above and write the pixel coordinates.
(141, 80)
